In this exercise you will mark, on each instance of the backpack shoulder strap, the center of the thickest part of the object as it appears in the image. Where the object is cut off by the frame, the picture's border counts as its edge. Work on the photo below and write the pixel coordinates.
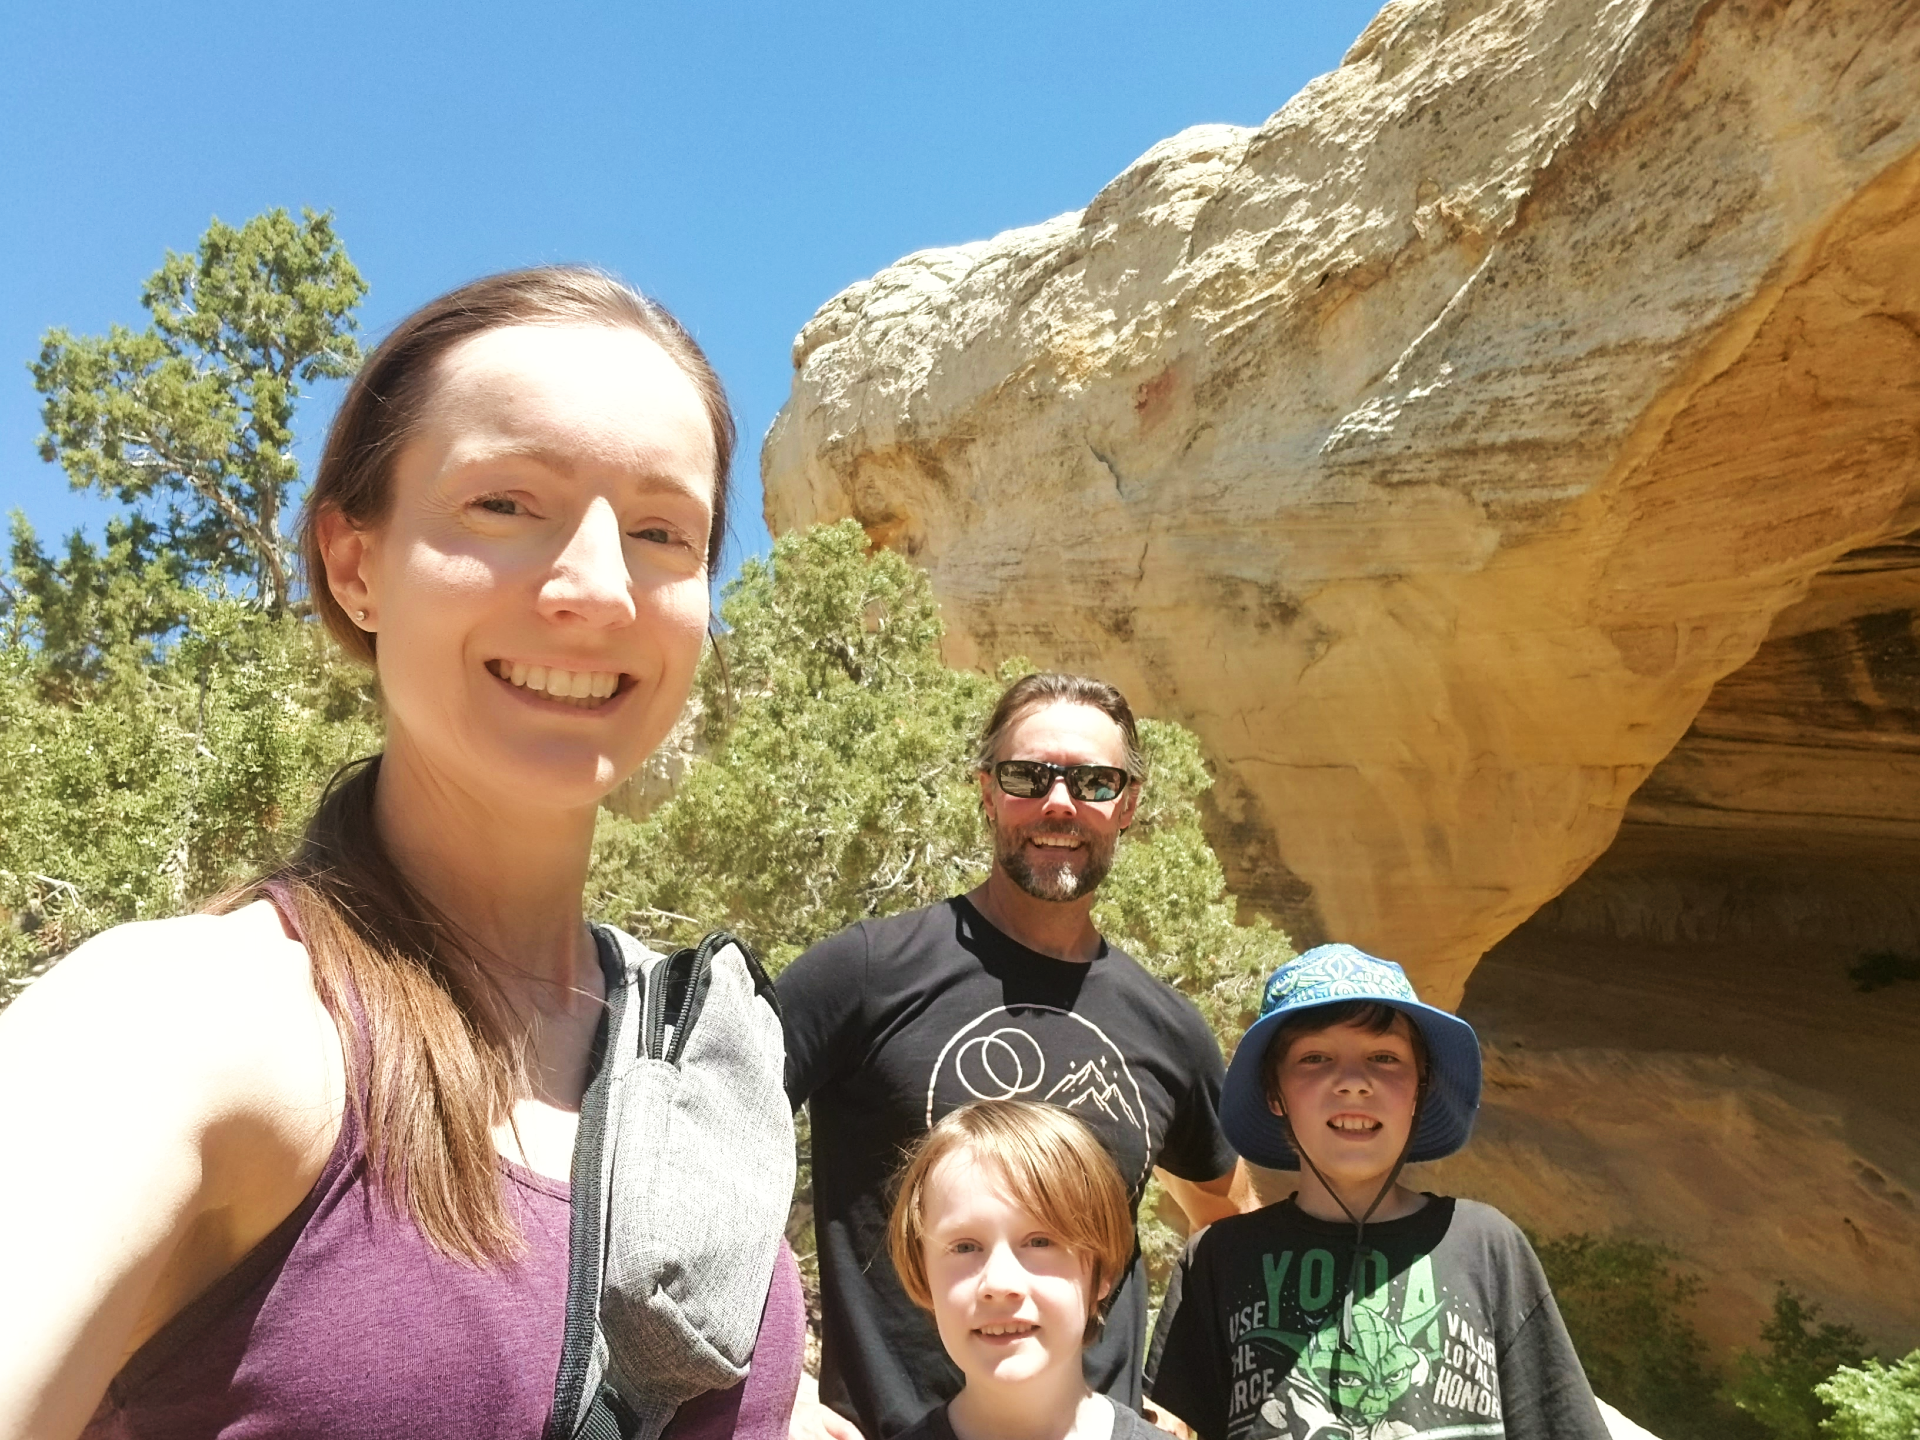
(663, 1302)
(583, 1404)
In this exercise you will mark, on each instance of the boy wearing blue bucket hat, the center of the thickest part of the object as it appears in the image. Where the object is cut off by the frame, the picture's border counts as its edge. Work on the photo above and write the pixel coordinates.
(1357, 1308)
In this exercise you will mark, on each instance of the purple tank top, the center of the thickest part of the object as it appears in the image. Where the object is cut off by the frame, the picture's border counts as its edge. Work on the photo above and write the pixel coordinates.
(346, 1324)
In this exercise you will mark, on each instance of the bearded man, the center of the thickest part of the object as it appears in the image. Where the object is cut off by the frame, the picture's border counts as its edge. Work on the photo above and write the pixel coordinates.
(1007, 992)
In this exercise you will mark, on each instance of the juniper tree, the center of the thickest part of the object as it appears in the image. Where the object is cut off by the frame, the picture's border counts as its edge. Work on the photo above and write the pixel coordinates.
(189, 422)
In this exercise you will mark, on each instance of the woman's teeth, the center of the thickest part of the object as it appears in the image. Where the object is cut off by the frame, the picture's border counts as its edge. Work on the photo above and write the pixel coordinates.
(586, 689)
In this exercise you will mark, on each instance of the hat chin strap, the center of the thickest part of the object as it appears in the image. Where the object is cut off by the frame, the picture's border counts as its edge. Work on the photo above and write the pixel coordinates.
(1360, 1220)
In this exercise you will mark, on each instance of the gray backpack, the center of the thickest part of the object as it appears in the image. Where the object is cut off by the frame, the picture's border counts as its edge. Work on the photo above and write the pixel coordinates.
(682, 1177)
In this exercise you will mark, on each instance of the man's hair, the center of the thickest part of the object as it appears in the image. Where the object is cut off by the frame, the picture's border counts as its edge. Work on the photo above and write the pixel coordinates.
(1032, 692)
(1052, 1166)
(1373, 1016)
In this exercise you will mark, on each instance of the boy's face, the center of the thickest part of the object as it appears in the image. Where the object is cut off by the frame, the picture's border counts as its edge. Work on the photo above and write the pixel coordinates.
(1350, 1095)
(1009, 1299)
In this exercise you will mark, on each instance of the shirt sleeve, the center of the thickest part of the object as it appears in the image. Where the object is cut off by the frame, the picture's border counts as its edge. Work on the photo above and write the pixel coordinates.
(1196, 1147)
(820, 998)
(1544, 1393)
(1186, 1363)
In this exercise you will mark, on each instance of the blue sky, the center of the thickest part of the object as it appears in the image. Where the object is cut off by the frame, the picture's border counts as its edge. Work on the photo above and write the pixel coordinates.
(740, 162)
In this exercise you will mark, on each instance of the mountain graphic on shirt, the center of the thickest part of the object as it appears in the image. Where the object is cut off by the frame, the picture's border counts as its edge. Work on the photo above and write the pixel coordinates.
(1090, 1088)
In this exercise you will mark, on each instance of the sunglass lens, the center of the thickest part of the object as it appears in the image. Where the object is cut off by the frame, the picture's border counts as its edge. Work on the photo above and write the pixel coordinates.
(1022, 779)
(1096, 782)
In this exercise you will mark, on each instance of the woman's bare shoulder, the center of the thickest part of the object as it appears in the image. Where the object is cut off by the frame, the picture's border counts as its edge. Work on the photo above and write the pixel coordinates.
(222, 1004)
(175, 1087)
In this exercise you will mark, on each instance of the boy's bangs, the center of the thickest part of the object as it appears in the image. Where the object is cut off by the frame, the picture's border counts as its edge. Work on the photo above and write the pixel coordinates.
(1062, 1190)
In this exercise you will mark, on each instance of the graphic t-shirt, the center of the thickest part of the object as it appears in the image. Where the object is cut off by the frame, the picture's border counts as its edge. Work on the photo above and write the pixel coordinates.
(1453, 1332)
(895, 1022)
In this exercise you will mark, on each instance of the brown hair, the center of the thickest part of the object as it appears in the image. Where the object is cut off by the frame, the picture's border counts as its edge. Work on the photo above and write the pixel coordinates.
(1054, 1167)
(390, 394)
(1031, 692)
(430, 1066)
(1376, 1017)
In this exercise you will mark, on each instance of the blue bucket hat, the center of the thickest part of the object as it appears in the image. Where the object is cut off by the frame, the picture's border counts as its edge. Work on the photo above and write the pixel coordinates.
(1327, 975)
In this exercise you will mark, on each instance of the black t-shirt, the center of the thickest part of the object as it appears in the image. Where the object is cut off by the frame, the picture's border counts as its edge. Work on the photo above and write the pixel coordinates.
(1455, 1332)
(895, 1022)
(1127, 1425)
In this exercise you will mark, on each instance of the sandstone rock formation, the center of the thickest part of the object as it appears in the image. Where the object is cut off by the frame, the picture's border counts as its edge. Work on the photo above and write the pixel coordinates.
(1741, 1103)
(1435, 448)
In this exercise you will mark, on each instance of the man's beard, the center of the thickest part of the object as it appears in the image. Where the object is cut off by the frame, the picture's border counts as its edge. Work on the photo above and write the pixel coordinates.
(1056, 875)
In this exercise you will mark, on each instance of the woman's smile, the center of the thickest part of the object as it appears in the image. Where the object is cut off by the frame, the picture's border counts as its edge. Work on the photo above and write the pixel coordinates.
(579, 688)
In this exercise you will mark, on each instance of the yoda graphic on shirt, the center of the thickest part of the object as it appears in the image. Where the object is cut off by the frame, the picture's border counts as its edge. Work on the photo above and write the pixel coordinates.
(1345, 1392)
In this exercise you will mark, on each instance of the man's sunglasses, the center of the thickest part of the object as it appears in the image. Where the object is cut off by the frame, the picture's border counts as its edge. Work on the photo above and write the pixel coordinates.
(1030, 779)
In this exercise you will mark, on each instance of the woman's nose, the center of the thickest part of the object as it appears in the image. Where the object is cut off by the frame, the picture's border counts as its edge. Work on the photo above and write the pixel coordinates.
(590, 580)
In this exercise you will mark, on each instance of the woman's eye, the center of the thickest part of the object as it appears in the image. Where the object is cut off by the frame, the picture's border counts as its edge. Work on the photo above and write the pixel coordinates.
(654, 534)
(499, 504)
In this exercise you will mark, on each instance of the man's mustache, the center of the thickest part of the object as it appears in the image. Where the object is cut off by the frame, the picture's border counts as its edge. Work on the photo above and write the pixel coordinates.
(1066, 832)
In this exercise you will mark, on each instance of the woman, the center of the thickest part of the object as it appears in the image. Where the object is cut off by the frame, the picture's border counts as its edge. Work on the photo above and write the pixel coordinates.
(299, 1166)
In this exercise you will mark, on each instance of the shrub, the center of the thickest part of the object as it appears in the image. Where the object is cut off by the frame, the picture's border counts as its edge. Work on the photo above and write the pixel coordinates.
(1779, 1389)
(1626, 1305)
(168, 781)
(1873, 1401)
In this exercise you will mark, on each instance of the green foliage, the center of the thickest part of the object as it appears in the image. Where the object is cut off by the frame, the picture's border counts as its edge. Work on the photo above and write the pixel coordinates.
(190, 421)
(1779, 1389)
(1627, 1308)
(1162, 1239)
(1166, 900)
(1881, 968)
(172, 781)
(840, 786)
(1873, 1401)
(837, 784)
(95, 615)
(160, 738)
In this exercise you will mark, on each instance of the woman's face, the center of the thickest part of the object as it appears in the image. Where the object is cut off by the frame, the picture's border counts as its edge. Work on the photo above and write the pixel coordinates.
(539, 586)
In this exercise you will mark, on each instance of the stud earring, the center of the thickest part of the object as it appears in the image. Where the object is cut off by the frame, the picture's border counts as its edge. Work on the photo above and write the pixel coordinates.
(361, 616)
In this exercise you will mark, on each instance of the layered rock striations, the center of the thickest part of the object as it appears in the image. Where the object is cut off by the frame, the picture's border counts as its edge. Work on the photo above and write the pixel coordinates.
(1434, 449)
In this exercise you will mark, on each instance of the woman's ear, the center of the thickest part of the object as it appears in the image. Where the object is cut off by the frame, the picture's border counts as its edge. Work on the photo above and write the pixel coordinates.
(347, 552)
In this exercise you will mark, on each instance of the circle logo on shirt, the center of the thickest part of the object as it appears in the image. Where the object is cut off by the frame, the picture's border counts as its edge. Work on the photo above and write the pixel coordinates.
(1006, 1065)
(1040, 1052)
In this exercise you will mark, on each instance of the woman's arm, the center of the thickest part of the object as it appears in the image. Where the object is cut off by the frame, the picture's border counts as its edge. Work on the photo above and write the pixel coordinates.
(168, 1095)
